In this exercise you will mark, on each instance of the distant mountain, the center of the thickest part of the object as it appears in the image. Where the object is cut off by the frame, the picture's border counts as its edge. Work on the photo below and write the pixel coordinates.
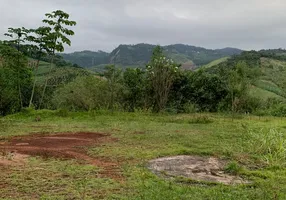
(138, 55)
(87, 58)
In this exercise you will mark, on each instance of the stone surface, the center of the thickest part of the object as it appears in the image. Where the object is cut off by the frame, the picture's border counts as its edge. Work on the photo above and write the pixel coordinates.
(194, 167)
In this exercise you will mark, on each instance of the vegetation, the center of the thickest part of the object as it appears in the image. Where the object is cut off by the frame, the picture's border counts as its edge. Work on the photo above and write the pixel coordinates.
(228, 109)
(141, 137)
(139, 55)
(57, 37)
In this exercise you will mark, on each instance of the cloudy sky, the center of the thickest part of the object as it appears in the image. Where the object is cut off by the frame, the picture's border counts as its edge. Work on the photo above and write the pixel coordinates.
(104, 24)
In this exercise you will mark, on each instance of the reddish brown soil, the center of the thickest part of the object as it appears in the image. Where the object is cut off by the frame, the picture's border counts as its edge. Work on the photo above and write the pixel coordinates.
(64, 146)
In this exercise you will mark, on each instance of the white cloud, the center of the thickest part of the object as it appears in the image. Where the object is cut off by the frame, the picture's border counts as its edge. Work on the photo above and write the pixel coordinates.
(247, 24)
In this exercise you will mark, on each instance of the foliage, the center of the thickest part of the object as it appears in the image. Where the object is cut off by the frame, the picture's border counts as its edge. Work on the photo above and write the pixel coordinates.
(85, 93)
(56, 37)
(161, 74)
(206, 90)
(57, 34)
(114, 79)
(270, 146)
(140, 54)
(13, 70)
(135, 88)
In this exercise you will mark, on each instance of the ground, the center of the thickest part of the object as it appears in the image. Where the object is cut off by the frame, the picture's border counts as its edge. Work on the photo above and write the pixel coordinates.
(197, 168)
(102, 155)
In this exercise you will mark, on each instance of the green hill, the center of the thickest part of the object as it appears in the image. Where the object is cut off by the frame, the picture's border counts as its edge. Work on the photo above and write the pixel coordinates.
(138, 56)
(58, 75)
(215, 62)
(270, 67)
(264, 94)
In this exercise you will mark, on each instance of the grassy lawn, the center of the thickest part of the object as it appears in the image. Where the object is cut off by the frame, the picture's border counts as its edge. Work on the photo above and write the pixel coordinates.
(257, 145)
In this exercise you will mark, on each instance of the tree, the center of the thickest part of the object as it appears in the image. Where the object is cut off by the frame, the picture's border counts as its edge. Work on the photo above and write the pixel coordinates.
(39, 39)
(13, 70)
(135, 84)
(237, 84)
(206, 90)
(113, 76)
(56, 38)
(17, 36)
(161, 73)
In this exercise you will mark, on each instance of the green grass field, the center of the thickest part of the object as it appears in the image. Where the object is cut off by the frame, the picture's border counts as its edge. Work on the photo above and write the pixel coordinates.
(264, 94)
(214, 63)
(257, 144)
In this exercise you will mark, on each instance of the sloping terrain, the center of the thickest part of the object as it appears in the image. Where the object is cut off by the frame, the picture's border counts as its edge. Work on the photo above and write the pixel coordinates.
(215, 62)
(138, 56)
(270, 66)
(58, 75)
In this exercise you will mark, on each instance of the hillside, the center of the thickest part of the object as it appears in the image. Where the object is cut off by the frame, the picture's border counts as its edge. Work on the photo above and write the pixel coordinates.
(87, 58)
(215, 62)
(270, 66)
(138, 55)
(59, 75)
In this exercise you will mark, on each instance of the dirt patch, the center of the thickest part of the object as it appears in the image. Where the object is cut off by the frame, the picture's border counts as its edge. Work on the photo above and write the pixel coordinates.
(61, 145)
(194, 167)
(12, 159)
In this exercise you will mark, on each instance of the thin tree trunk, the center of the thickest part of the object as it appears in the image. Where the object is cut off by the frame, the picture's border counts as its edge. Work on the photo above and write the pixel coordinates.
(34, 85)
(20, 93)
(19, 85)
(46, 82)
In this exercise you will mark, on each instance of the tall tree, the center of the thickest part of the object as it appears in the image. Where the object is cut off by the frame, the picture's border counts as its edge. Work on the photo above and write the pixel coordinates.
(13, 70)
(18, 36)
(162, 72)
(113, 76)
(237, 84)
(38, 40)
(54, 42)
(135, 84)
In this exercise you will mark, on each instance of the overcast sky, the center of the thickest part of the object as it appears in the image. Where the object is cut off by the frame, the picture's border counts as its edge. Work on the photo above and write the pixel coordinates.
(104, 24)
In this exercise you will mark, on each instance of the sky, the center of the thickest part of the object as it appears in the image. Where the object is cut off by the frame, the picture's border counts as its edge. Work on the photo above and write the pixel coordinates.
(104, 24)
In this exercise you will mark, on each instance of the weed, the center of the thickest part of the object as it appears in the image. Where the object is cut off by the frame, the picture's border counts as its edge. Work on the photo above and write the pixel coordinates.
(233, 168)
(62, 113)
(269, 145)
(200, 120)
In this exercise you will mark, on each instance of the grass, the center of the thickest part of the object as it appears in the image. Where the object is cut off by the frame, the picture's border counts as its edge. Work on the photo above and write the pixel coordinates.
(215, 62)
(270, 86)
(274, 71)
(263, 94)
(160, 135)
(58, 75)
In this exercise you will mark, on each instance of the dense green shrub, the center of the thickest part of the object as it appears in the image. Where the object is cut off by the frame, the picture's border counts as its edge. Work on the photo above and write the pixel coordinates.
(278, 111)
(85, 93)
(15, 80)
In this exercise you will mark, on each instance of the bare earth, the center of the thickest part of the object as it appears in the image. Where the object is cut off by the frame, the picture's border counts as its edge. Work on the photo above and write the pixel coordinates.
(61, 145)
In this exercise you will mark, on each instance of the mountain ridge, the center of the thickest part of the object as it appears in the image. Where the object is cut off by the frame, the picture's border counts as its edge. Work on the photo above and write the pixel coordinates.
(138, 55)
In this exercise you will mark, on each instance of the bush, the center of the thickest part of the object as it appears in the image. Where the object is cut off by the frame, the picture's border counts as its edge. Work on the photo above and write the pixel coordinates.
(85, 93)
(62, 113)
(279, 111)
(190, 108)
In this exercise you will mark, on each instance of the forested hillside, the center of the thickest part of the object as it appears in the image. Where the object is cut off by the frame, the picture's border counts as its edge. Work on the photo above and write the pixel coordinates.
(264, 72)
(138, 56)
